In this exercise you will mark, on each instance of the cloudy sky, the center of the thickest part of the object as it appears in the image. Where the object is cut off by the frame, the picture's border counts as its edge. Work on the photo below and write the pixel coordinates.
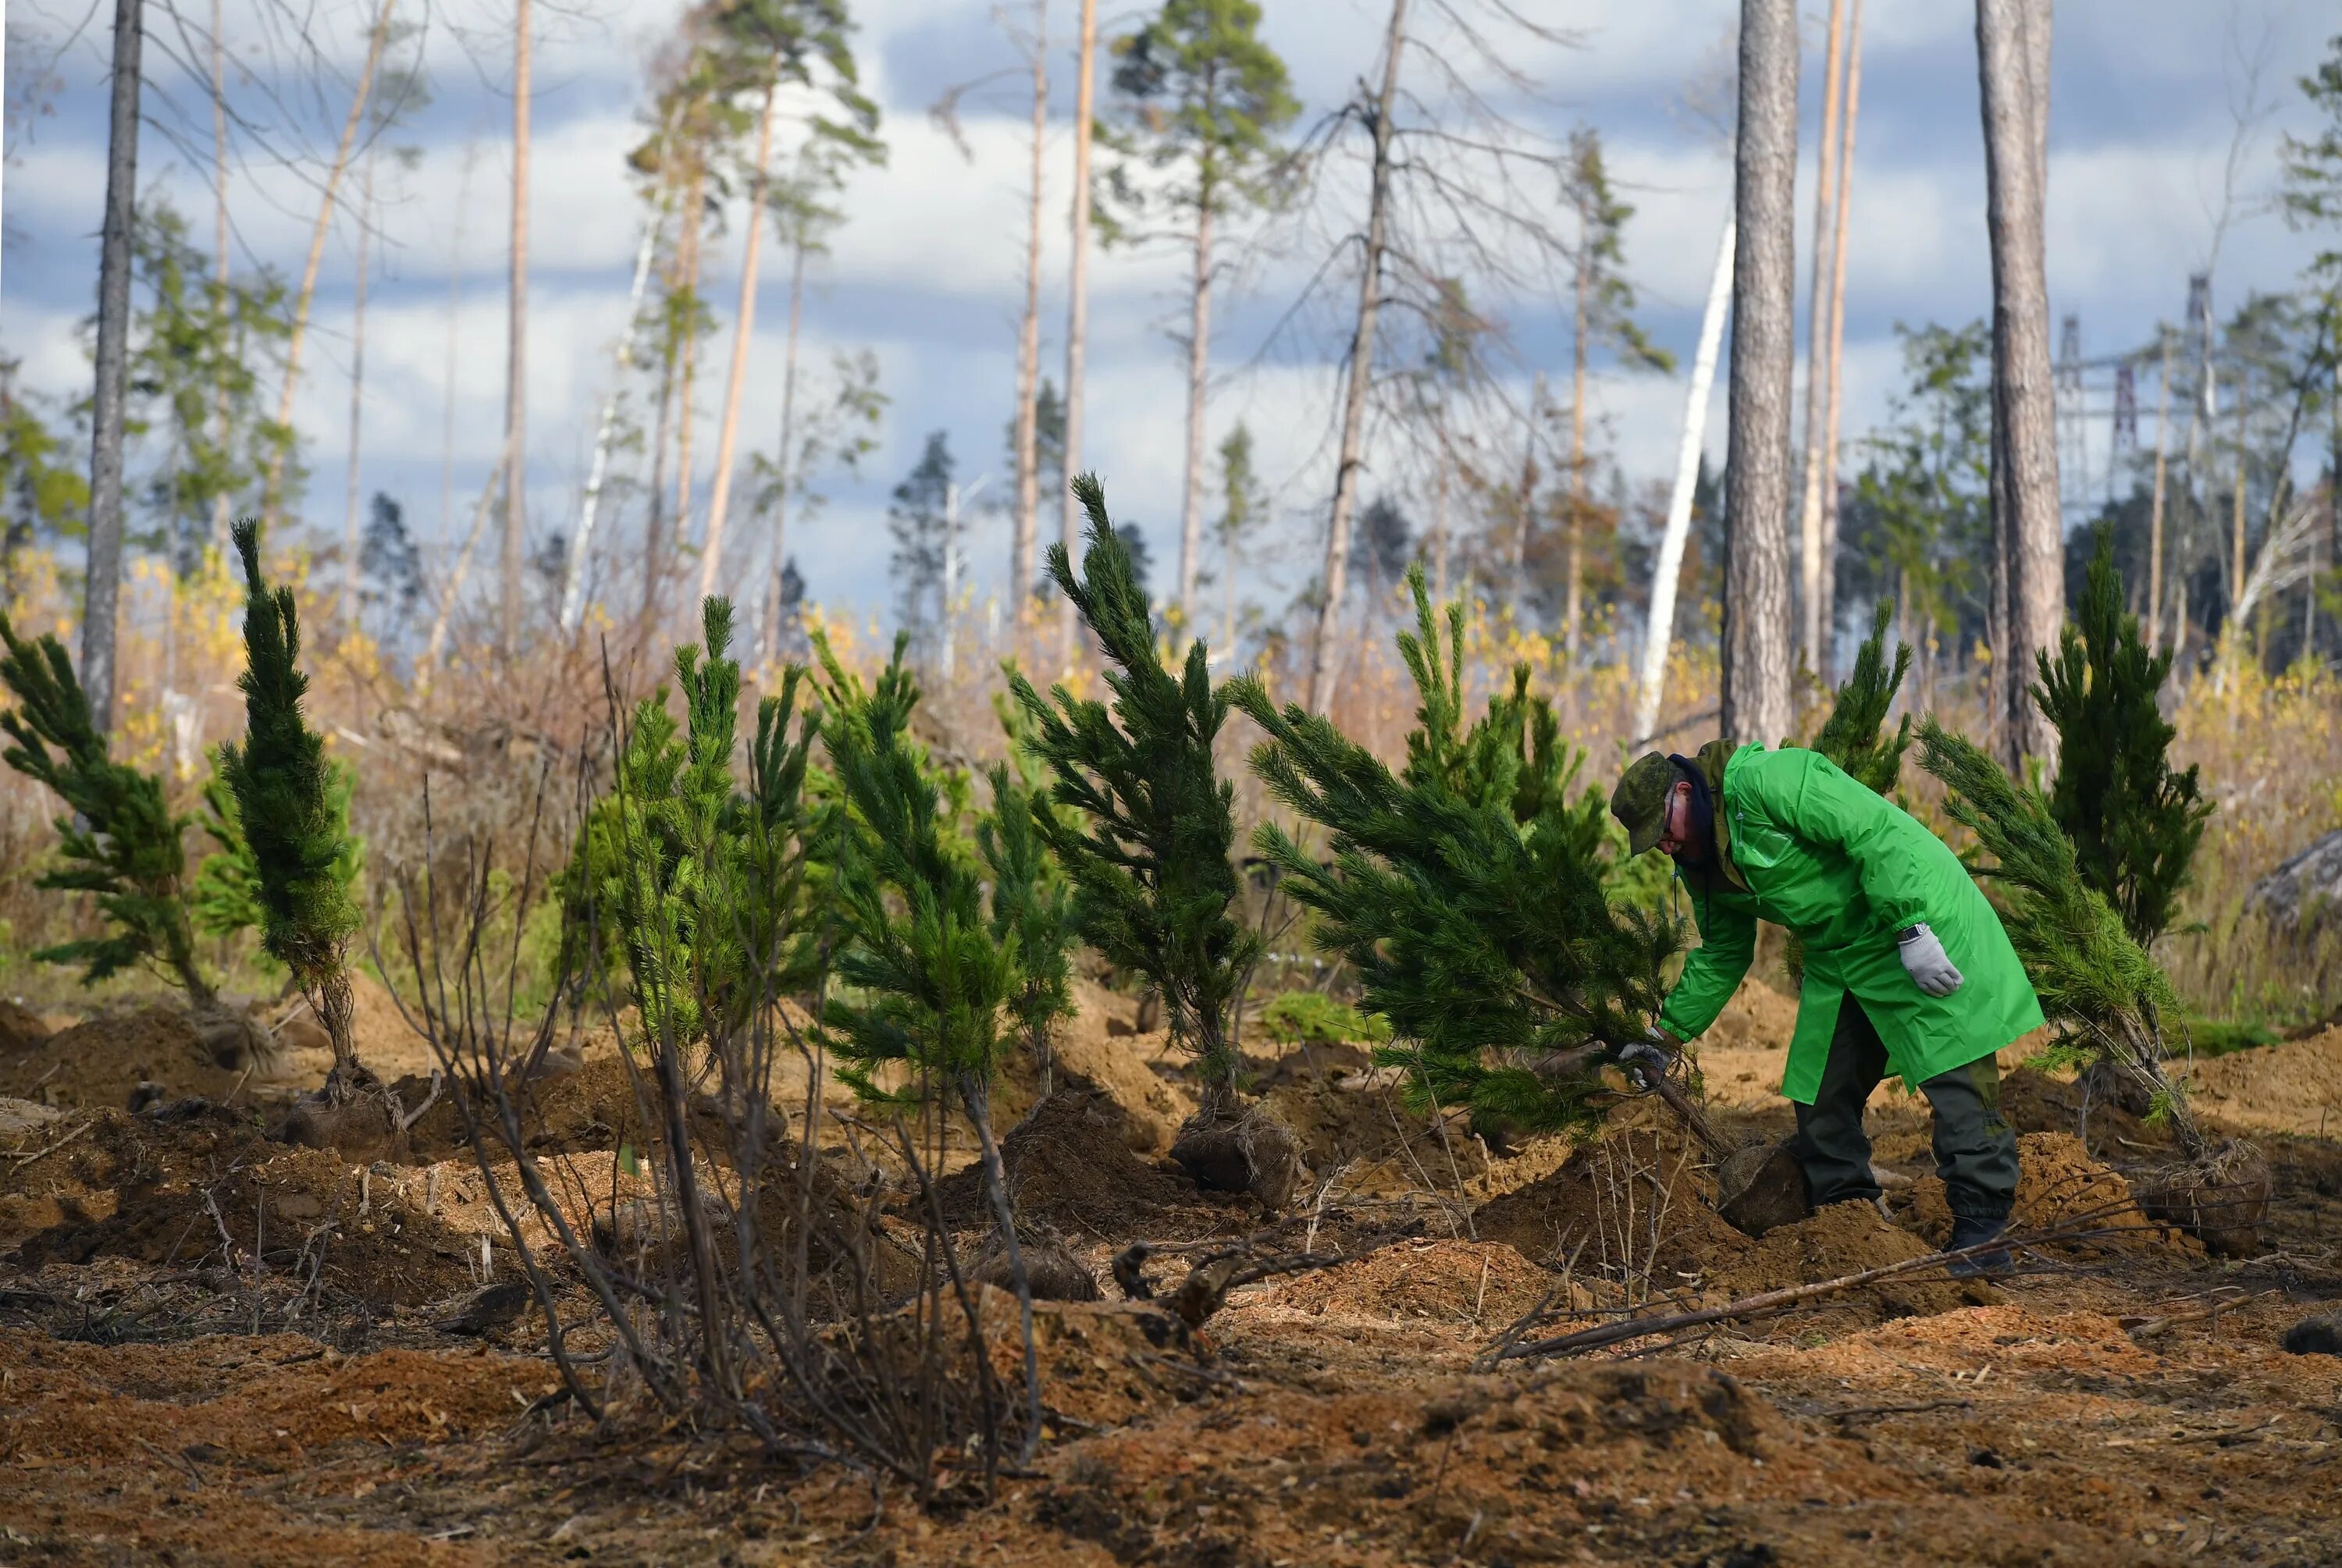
(926, 270)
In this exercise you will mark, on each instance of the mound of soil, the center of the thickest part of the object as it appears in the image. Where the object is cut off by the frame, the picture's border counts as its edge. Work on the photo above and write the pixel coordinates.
(1070, 1168)
(2033, 1102)
(2294, 1087)
(1443, 1280)
(96, 1159)
(1632, 1198)
(101, 1062)
(1843, 1239)
(2057, 1183)
(1385, 1147)
(594, 1108)
(1137, 1071)
(248, 1206)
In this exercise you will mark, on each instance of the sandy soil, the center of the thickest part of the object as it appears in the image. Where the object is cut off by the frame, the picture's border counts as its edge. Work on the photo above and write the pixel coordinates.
(2122, 1399)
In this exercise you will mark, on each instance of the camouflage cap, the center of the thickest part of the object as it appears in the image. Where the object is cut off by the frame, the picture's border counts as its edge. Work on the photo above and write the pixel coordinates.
(1640, 800)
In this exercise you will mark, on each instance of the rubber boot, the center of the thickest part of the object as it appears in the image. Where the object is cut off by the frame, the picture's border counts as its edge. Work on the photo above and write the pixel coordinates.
(1975, 1233)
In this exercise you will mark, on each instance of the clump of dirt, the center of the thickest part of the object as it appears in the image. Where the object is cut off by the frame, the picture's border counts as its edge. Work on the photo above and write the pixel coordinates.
(2057, 1183)
(288, 1211)
(20, 1028)
(1070, 1168)
(1342, 1122)
(1843, 1239)
(1634, 1199)
(1442, 1281)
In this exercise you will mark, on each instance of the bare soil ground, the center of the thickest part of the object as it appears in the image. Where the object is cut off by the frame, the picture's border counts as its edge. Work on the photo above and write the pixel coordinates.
(214, 1349)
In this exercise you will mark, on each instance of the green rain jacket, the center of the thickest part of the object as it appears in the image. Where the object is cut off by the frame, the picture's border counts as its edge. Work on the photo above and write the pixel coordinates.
(1846, 869)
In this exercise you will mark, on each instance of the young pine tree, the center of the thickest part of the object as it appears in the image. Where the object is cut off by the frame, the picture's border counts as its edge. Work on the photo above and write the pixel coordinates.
(936, 981)
(705, 886)
(117, 841)
(2134, 821)
(283, 788)
(1851, 737)
(2095, 981)
(1148, 850)
(1489, 940)
(226, 898)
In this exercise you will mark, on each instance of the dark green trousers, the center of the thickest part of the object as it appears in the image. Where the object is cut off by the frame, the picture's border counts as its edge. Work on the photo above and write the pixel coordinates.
(1976, 1150)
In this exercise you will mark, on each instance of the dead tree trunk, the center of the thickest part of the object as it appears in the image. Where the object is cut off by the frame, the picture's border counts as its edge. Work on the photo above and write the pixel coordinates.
(1814, 564)
(1851, 112)
(1361, 371)
(1756, 697)
(727, 432)
(517, 354)
(1027, 526)
(349, 598)
(272, 485)
(102, 589)
(219, 257)
(694, 251)
(1077, 311)
(1200, 356)
(2013, 59)
(1573, 539)
(597, 467)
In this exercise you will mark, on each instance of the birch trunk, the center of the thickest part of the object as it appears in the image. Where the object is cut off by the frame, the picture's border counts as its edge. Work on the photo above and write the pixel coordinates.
(719, 499)
(516, 529)
(272, 485)
(1815, 563)
(1199, 354)
(1077, 308)
(1518, 566)
(455, 344)
(2013, 50)
(102, 589)
(349, 605)
(220, 519)
(1022, 542)
(1850, 113)
(772, 635)
(1574, 540)
(573, 587)
(693, 234)
(1361, 373)
(1756, 697)
(1659, 633)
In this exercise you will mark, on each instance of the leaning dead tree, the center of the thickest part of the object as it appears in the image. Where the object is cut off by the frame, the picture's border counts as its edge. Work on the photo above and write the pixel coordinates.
(1456, 206)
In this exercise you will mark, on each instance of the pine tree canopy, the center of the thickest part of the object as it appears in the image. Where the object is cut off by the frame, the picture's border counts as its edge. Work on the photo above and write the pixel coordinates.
(283, 787)
(2134, 822)
(117, 839)
(1487, 938)
(1148, 850)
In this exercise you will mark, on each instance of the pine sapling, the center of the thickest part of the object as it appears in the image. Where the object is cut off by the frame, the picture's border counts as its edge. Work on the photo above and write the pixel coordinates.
(2134, 821)
(226, 896)
(2094, 981)
(936, 982)
(117, 841)
(283, 788)
(1490, 943)
(1149, 849)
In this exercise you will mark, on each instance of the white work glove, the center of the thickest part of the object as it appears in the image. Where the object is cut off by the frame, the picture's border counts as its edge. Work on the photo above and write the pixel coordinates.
(1925, 959)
